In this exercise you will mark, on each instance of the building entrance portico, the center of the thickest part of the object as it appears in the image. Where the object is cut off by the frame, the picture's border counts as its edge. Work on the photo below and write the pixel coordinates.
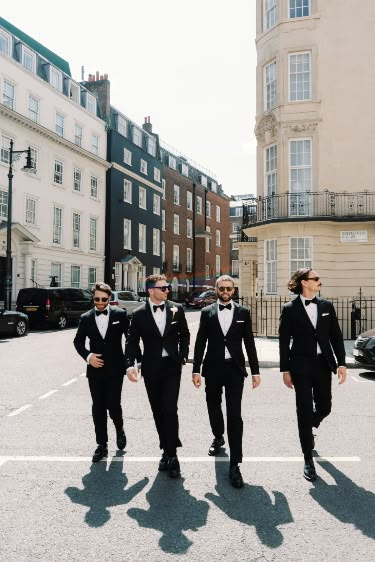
(127, 273)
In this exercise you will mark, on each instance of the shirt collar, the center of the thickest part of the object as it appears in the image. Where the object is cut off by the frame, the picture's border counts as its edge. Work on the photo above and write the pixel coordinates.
(229, 302)
(106, 308)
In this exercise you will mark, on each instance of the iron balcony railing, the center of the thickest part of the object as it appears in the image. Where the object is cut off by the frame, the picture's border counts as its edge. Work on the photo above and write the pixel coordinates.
(325, 205)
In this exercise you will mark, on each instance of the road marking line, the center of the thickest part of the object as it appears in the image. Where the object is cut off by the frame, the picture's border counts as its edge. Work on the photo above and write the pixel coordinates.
(47, 394)
(126, 459)
(16, 412)
(354, 379)
(67, 383)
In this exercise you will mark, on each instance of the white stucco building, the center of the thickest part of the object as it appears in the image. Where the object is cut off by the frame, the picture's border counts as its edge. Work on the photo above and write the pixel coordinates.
(59, 212)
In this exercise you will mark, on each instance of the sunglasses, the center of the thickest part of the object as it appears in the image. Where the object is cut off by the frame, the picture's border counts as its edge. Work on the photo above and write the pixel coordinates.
(101, 299)
(163, 288)
(228, 289)
(313, 279)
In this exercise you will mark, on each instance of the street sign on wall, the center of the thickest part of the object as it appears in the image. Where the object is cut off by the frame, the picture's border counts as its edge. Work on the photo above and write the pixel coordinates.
(353, 236)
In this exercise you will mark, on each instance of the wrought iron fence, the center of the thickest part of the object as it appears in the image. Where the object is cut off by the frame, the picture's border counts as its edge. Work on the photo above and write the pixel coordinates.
(325, 205)
(355, 314)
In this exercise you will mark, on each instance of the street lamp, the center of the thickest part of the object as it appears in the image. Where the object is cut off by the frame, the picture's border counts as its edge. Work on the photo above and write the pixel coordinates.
(14, 155)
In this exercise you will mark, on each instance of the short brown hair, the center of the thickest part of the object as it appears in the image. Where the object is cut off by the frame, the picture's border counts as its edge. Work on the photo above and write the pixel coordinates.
(152, 279)
(102, 287)
(224, 278)
(295, 285)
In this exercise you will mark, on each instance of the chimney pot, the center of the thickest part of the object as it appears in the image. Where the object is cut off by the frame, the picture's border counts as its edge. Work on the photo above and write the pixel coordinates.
(97, 74)
(105, 76)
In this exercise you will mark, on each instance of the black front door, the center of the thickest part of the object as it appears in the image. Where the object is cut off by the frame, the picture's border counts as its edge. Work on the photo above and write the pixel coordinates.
(2, 277)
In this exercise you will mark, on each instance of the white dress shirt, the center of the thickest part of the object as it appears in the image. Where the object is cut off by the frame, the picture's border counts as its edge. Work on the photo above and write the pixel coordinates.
(160, 317)
(102, 324)
(225, 318)
(312, 313)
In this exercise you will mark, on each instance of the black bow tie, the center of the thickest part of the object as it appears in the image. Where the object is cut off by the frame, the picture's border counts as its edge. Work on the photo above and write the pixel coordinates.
(225, 307)
(99, 312)
(314, 300)
(156, 306)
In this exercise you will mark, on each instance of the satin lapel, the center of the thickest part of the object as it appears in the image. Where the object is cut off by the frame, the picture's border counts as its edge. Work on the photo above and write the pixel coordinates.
(303, 312)
(215, 316)
(320, 307)
(95, 327)
(151, 320)
(236, 312)
(112, 318)
(169, 317)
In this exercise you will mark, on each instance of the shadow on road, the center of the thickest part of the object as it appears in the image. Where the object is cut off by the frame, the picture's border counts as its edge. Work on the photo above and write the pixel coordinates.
(346, 501)
(172, 511)
(368, 375)
(253, 506)
(103, 489)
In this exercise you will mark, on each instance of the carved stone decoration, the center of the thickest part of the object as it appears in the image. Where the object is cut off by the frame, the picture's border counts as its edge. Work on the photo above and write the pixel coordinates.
(266, 123)
(302, 127)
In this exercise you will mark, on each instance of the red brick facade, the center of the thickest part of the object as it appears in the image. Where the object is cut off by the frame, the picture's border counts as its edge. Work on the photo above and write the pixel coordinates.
(202, 271)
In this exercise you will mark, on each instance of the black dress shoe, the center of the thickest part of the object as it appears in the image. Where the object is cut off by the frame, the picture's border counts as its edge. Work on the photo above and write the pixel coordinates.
(121, 439)
(235, 476)
(215, 447)
(163, 464)
(100, 452)
(309, 471)
(174, 467)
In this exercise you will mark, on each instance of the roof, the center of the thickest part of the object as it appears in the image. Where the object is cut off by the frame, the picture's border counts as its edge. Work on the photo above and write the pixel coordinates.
(54, 59)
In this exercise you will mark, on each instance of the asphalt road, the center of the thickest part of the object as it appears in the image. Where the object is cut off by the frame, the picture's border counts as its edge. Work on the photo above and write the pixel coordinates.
(56, 505)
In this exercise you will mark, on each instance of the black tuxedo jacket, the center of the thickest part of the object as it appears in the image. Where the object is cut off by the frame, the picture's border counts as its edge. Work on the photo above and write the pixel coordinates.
(175, 340)
(210, 332)
(295, 325)
(110, 347)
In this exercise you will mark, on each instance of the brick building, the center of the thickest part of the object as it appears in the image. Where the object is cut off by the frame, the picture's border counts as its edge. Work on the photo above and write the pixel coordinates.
(195, 225)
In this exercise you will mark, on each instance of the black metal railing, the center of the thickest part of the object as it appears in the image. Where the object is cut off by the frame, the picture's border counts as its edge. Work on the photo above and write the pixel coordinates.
(241, 237)
(355, 314)
(326, 205)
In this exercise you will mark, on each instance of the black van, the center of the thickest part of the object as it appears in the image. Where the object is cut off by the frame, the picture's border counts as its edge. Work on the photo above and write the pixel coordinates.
(54, 305)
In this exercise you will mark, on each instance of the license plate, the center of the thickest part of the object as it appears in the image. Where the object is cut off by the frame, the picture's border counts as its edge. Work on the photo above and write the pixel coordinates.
(357, 353)
(31, 308)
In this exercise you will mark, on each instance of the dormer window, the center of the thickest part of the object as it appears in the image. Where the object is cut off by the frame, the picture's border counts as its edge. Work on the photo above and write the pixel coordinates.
(55, 78)
(214, 186)
(172, 162)
(204, 181)
(122, 125)
(137, 136)
(91, 103)
(5, 42)
(151, 146)
(74, 92)
(184, 169)
(28, 59)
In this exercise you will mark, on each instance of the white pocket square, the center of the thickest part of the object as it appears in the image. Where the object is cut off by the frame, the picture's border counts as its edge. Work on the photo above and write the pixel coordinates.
(240, 320)
(325, 314)
(175, 322)
(117, 322)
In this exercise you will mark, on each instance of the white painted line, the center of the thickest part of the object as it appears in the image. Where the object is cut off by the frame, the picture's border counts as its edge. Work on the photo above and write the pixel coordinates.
(22, 409)
(47, 394)
(67, 383)
(126, 459)
(354, 379)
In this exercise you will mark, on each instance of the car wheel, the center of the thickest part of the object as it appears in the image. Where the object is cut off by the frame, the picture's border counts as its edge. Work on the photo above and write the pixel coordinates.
(21, 328)
(61, 322)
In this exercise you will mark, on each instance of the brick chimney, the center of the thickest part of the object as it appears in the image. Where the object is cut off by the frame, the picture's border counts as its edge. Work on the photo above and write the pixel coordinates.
(147, 125)
(101, 87)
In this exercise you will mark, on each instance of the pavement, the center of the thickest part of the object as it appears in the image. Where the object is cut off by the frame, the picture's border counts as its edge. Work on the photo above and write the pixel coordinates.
(268, 353)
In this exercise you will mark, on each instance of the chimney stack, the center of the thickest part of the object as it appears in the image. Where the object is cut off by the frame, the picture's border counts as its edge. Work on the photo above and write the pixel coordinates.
(147, 125)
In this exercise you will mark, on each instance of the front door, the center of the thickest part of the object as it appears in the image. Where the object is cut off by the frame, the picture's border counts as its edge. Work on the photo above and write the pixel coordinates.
(2, 276)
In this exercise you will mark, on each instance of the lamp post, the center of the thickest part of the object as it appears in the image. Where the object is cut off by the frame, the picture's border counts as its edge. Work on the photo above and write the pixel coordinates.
(14, 155)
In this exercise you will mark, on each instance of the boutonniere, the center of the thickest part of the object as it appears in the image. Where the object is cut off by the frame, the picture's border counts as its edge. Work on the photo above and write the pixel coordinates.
(174, 310)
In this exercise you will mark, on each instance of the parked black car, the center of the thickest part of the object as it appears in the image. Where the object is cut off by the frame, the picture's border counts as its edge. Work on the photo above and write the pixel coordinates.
(54, 305)
(13, 323)
(364, 350)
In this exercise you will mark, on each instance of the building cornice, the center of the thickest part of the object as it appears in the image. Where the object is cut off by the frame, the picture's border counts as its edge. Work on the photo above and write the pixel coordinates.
(135, 176)
(50, 135)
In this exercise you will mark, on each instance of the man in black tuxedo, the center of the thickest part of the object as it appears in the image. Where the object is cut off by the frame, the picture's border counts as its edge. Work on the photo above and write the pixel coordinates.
(162, 326)
(224, 326)
(307, 365)
(104, 326)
